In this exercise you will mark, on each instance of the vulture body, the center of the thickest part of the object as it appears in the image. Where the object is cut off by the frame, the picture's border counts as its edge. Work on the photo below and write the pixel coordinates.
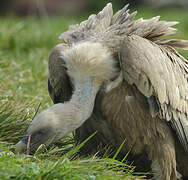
(116, 76)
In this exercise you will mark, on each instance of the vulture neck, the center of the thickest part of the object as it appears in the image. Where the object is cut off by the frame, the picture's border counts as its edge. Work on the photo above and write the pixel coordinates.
(72, 114)
(82, 101)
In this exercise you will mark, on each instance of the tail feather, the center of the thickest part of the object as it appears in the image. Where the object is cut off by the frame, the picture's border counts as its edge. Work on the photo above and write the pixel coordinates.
(177, 43)
(120, 16)
(153, 28)
(100, 21)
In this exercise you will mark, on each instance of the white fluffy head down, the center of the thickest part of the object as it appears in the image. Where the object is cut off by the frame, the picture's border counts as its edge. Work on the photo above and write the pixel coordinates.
(89, 59)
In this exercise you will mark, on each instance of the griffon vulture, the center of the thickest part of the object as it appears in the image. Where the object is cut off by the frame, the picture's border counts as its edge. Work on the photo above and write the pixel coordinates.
(115, 75)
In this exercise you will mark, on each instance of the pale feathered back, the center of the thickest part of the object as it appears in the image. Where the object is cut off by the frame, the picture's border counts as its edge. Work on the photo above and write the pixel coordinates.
(110, 28)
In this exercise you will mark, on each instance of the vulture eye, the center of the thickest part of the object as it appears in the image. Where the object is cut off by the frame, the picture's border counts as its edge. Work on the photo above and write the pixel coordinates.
(40, 132)
(40, 135)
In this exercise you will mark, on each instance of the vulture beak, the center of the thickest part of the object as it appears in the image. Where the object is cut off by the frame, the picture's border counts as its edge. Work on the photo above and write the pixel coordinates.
(30, 143)
(21, 146)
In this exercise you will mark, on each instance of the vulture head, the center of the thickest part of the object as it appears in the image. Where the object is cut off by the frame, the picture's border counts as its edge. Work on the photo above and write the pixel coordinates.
(88, 65)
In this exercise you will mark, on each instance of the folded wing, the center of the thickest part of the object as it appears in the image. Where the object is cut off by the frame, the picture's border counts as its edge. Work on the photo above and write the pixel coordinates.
(59, 85)
(161, 74)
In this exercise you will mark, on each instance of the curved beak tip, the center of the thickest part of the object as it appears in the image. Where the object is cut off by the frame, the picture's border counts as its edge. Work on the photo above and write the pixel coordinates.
(21, 146)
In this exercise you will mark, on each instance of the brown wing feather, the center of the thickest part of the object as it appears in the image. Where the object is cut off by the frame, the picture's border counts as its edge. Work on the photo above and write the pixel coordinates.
(59, 86)
(159, 72)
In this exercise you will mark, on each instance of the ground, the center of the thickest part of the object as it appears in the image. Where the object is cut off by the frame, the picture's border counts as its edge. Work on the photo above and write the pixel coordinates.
(25, 44)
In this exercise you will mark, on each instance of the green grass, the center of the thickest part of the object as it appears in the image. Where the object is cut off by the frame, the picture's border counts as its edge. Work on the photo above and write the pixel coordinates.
(24, 48)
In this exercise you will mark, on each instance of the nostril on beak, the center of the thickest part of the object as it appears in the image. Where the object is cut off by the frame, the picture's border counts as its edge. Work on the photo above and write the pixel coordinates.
(21, 146)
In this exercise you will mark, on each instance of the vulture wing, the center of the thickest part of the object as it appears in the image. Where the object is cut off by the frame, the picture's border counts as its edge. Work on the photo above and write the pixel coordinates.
(59, 86)
(161, 74)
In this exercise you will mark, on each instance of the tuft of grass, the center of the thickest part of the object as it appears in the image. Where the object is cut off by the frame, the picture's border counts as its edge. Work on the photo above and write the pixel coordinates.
(12, 167)
(25, 44)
